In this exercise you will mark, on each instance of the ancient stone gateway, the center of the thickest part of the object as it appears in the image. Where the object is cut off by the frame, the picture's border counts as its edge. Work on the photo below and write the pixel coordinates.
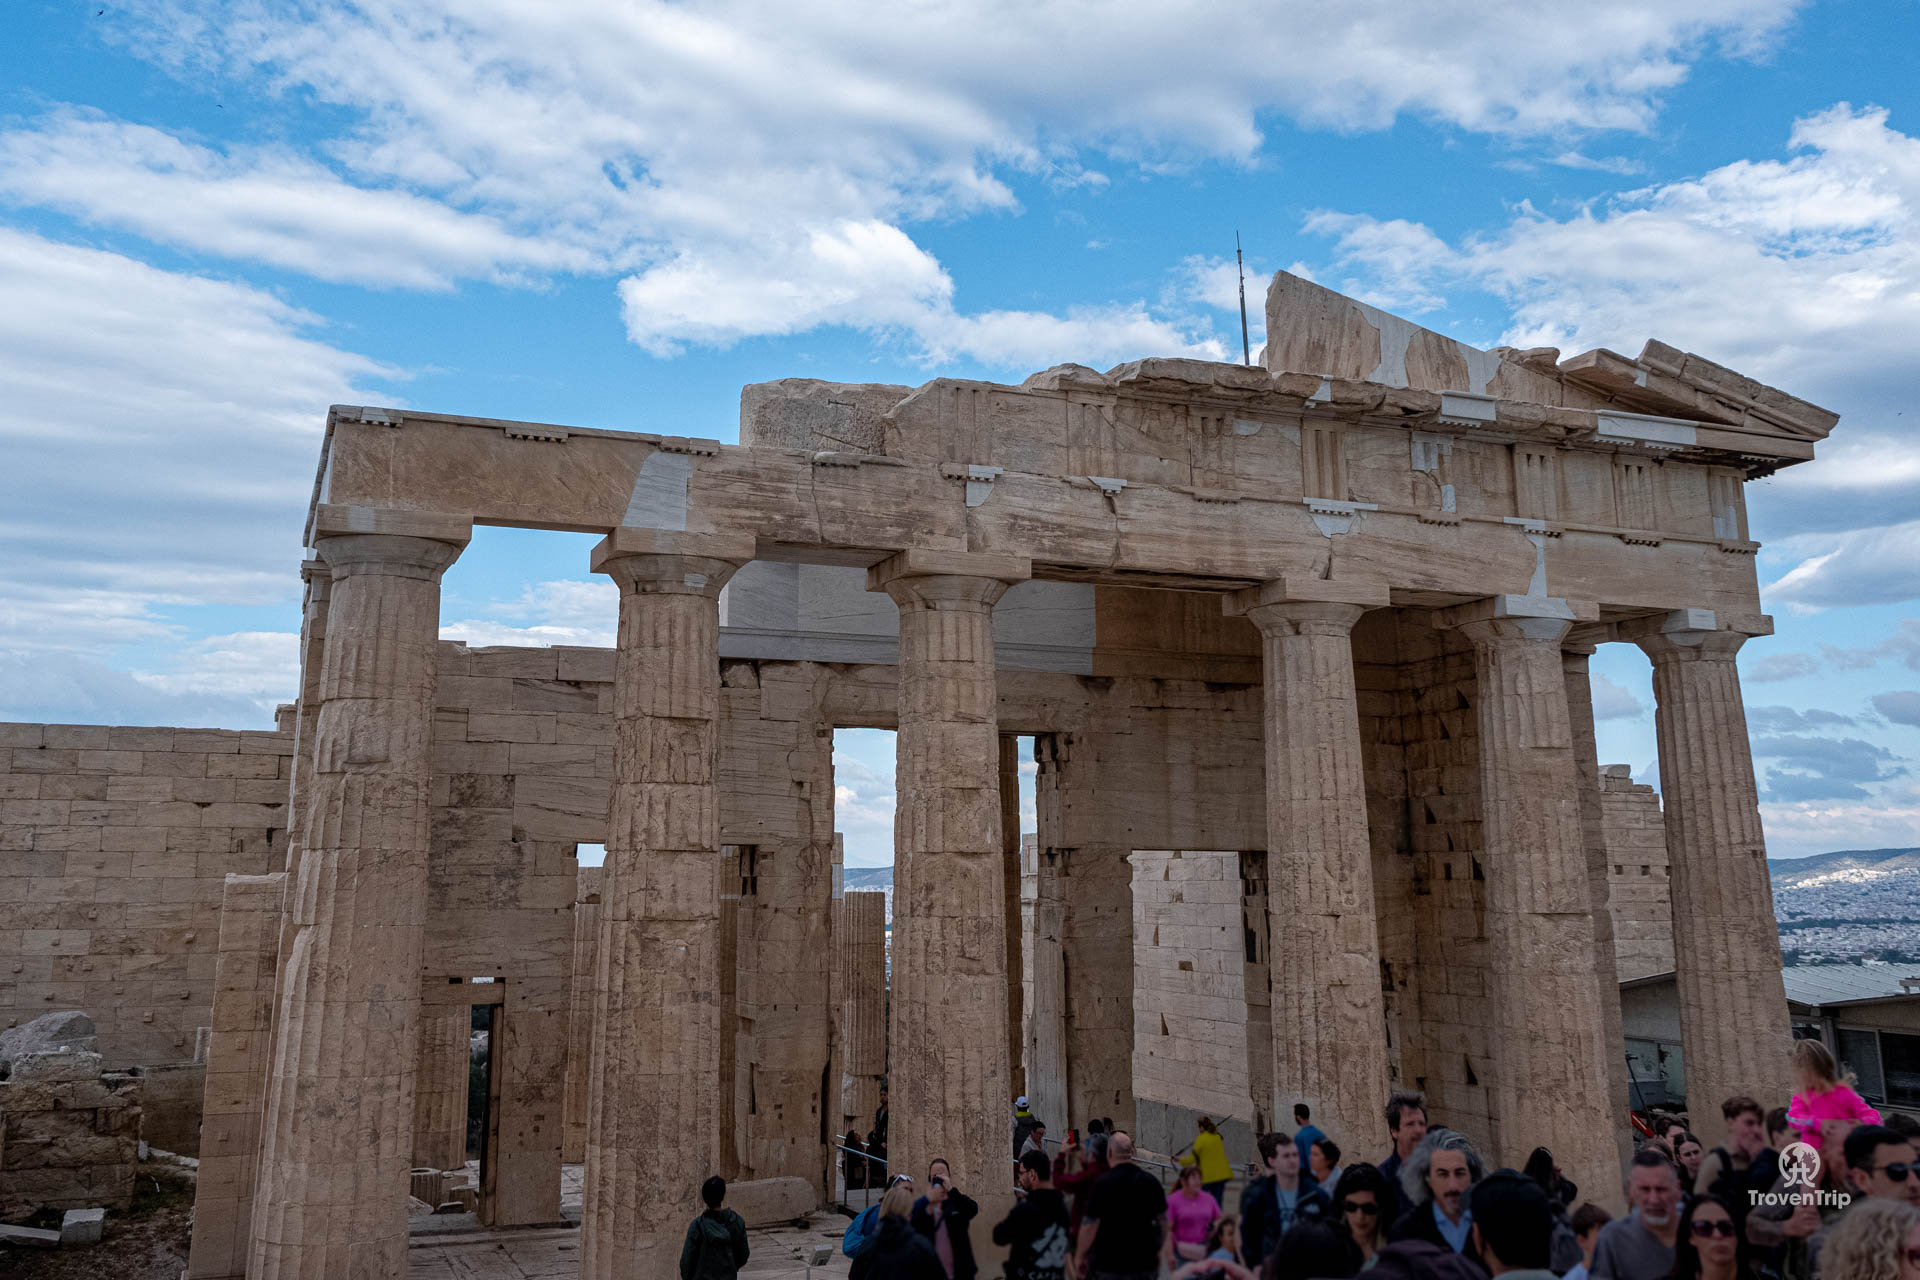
(1328, 620)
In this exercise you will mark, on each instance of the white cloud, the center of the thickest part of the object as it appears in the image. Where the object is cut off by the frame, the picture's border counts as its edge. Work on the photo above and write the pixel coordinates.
(1860, 566)
(1770, 667)
(159, 432)
(1802, 271)
(753, 167)
(264, 205)
(65, 688)
(1794, 830)
(563, 612)
(261, 665)
(1612, 702)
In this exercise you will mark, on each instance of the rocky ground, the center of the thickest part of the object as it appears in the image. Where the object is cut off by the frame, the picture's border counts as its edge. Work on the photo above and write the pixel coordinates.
(148, 1242)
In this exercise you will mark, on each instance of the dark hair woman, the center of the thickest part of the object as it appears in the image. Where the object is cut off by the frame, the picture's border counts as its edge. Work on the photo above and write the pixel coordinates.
(1710, 1245)
(1360, 1211)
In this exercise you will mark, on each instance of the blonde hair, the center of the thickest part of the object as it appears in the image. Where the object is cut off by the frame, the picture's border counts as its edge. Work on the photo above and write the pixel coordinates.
(898, 1202)
(1815, 1057)
(1867, 1242)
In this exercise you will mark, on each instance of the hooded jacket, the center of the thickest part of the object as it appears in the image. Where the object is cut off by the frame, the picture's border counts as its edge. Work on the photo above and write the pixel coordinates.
(716, 1246)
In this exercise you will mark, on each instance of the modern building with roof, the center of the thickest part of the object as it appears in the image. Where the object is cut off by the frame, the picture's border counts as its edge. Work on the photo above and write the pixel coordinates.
(1868, 1014)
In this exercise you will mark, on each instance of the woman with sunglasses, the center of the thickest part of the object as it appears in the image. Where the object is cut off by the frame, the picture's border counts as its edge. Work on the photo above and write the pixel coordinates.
(1358, 1212)
(1874, 1240)
(1709, 1245)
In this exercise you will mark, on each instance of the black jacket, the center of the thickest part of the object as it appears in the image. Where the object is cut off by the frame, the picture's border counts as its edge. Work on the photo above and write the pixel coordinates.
(715, 1248)
(960, 1211)
(1417, 1224)
(1261, 1224)
(898, 1252)
(1037, 1232)
(1419, 1260)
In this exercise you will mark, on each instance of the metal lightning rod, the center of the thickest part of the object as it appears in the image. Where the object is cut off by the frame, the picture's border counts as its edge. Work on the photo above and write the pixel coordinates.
(1246, 352)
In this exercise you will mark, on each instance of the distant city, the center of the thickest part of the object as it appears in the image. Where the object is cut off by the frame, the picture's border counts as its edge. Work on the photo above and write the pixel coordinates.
(1851, 907)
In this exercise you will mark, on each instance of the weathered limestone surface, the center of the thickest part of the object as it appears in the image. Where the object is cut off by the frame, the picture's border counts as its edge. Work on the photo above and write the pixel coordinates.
(1147, 764)
(440, 1091)
(338, 1130)
(1639, 876)
(68, 1134)
(113, 845)
(862, 944)
(1189, 998)
(949, 1084)
(586, 955)
(1010, 890)
(653, 1092)
(776, 799)
(244, 986)
(1733, 1013)
(1550, 1091)
(1593, 833)
(1327, 1015)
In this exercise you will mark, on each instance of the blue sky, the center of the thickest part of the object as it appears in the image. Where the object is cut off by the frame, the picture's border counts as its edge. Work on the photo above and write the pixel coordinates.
(217, 218)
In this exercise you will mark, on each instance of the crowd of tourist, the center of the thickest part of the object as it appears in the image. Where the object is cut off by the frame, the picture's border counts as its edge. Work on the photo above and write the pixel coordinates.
(1756, 1207)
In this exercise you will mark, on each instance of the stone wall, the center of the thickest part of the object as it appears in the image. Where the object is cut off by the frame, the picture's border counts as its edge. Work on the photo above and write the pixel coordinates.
(1190, 1027)
(114, 843)
(1638, 888)
(1421, 749)
(69, 1135)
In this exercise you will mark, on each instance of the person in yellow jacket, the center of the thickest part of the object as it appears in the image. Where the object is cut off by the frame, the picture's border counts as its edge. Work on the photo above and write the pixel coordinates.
(1210, 1153)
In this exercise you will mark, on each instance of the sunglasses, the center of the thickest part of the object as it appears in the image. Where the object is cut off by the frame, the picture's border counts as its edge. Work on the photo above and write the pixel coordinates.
(1913, 1257)
(1362, 1206)
(1704, 1227)
(1897, 1171)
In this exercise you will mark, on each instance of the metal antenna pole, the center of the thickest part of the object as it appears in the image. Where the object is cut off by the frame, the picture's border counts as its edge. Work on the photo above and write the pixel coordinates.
(1246, 352)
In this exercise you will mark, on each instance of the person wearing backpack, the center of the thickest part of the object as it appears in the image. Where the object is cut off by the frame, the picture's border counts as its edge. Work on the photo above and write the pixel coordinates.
(865, 1226)
(897, 1251)
(716, 1245)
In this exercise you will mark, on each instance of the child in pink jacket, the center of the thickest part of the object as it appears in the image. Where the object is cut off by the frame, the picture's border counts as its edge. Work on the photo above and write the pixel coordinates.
(1823, 1095)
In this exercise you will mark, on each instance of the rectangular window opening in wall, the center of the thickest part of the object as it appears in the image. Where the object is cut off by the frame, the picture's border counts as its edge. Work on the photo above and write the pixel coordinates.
(1900, 1068)
(590, 855)
(1860, 1054)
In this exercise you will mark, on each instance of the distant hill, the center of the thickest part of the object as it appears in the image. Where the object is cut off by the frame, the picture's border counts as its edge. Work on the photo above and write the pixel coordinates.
(1844, 907)
(1795, 871)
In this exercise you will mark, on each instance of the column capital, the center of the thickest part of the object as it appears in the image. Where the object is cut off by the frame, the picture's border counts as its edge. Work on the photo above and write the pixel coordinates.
(925, 562)
(389, 555)
(1516, 620)
(1283, 601)
(1686, 635)
(918, 576)
(669, 562)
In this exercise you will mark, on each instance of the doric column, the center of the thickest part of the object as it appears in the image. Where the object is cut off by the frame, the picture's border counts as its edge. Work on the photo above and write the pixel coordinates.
(1734, 1028)
(653, 1109)
(1549, 1085)
(338, 1128)
(440, 1086)
(1010, 868)
(1329, 1018)
(580, 1037)
(1586, 763)
(949, 1083)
